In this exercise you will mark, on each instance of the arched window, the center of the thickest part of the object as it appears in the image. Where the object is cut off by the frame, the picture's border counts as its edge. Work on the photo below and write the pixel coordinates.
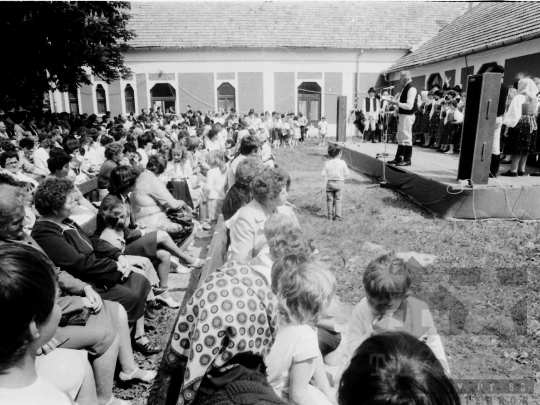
(129, 96)
(226, 97)
(309, 101)
(435, 79)
(101, 99)
(73, 100)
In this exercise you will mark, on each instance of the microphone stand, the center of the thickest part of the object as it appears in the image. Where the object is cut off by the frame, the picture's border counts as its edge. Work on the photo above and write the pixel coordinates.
(384, 156)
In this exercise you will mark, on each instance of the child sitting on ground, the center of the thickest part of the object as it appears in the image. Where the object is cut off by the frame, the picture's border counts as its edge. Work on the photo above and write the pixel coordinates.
(335, 170)
(389, 306)
(395, 368)
(304, 292)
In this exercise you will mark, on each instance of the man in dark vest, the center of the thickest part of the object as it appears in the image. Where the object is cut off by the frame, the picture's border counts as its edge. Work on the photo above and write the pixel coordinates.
(371, 109)
(407, 104)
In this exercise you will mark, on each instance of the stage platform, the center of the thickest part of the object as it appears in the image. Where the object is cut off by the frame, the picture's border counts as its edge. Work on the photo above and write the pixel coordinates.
(431, 181)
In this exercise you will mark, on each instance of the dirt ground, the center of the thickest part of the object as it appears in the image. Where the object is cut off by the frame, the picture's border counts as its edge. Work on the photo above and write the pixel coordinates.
(488, 270)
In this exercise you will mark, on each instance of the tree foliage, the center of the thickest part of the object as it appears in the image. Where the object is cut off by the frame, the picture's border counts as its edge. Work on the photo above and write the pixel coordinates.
(48, 44)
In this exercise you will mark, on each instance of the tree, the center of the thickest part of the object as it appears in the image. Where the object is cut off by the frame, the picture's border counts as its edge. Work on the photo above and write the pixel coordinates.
(48, 44)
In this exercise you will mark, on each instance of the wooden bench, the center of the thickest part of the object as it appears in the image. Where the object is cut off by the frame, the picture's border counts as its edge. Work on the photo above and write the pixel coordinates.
(164, 391)
(217, 252)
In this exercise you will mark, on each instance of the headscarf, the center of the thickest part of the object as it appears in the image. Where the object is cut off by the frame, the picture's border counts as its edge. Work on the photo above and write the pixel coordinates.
(233, 311)
(527, 87)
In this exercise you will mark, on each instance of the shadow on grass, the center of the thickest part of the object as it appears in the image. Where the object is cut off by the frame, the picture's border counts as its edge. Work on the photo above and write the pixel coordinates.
(311, 209)
(357, 182)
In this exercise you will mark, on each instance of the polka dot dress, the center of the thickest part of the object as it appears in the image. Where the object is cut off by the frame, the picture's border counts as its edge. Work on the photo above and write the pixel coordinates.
(233, 311)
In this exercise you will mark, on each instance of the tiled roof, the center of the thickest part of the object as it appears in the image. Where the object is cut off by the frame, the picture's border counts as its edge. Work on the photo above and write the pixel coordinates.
(485, 26)
(254, 24)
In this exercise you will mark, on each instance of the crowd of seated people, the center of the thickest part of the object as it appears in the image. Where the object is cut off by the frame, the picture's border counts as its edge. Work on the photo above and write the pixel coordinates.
(253, 327)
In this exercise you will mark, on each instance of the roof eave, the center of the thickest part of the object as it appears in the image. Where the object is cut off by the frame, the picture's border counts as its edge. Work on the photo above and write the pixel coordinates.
(161, 47)
(477, 49)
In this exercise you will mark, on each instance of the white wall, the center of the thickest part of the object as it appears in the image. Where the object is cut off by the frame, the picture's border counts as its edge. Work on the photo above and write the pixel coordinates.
(498, 55)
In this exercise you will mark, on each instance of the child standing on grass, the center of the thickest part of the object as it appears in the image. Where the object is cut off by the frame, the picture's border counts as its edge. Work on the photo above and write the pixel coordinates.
(214, 188)
(388, 306)
(286, 129)
(335, 170)
(323, 130)
(304, 292)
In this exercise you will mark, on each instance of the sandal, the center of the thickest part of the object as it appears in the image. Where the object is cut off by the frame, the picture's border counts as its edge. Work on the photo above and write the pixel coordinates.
(142, 375)
(197, 265)
(148, 348)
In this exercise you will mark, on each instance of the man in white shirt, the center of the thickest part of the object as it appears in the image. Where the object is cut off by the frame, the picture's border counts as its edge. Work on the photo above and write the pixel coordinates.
(303, 124)
(222, 135)
(407, 104)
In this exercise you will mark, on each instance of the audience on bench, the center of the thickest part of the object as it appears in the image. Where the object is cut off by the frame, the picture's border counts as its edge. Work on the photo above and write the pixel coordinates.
(252, 331)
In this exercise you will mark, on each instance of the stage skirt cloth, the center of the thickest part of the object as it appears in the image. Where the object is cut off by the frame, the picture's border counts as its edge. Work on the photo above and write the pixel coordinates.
(522, 138)
(131, 294)
(440, 129)
(447, 133)
(424, 121)
(434, 123)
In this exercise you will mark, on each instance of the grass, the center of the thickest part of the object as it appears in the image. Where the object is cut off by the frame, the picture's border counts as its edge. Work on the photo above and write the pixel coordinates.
(491, 267)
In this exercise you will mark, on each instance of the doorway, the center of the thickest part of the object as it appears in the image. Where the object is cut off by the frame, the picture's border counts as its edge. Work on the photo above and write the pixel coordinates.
(309, 101)
(226, 97)
(163, 95)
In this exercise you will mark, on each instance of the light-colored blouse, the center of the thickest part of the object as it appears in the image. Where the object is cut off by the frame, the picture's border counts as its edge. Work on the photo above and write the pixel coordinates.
(150, 196)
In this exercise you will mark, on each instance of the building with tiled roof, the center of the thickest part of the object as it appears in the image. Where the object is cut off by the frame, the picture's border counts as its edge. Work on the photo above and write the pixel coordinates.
(266, 56)
(506, 33)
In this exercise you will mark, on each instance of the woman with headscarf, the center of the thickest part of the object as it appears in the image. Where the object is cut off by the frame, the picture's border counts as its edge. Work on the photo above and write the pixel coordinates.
(520, 122)
(219, 341)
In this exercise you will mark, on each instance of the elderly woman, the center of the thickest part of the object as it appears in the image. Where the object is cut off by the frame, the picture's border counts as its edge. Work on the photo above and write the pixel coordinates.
(10, 163)
(234, 313)
(113, 155)
(270, 190)
(89, 259)
(105, 336)
(156, 245)
(151, 200)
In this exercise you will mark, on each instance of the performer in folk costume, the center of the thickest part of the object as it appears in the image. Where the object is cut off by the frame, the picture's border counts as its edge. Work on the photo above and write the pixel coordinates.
(383, 120)
(424, 121)
(434, 117)
(445, 137)
(417, 134)
(371, 110)
(521, 127)
(407, 104)
(451, 121)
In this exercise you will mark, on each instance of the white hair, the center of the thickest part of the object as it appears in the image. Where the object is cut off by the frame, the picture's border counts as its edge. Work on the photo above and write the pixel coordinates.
(406, 73)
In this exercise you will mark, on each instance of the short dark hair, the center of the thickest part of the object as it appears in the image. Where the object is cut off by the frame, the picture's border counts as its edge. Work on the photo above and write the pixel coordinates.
(192, 143)
(51, 194)
(334, 150)
(7, 155)
(145, 139)
(105, 140)
(28, 283)
(212, 134)
(57, 160)
(70, 143)
(249, 144)
(122, 178)
(26, 143)
(157, 164)
(269, 183)
(395, 368)
(113, 149)
(130, 147)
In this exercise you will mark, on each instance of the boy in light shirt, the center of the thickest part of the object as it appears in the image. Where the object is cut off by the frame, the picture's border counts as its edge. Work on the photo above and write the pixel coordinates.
(335, 171)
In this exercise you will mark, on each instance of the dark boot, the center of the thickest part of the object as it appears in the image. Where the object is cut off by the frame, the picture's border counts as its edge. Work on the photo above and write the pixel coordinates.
(407, 158)
(494, 166)
(399, 155)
